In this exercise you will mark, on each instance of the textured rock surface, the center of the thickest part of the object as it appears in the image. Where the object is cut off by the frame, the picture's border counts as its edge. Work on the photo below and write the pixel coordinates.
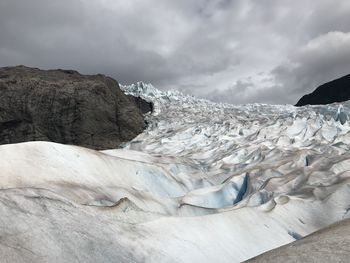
(328, 245)
(143, 105)
(335, 91)
(66, 107)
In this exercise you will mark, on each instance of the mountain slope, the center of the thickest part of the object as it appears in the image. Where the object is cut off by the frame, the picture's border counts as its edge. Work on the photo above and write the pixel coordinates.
(335, 91)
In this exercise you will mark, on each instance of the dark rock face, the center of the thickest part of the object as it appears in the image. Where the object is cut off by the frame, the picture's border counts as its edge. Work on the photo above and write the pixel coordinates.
(143, 105)
(66, 107)
(335, 91)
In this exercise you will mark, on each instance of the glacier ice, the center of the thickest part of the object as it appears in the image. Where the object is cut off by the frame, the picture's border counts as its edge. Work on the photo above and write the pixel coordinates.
(205, 182)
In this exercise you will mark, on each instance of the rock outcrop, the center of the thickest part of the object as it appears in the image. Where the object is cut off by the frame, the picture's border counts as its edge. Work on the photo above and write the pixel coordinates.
(327, 245)
(335, 91)
(66, 107)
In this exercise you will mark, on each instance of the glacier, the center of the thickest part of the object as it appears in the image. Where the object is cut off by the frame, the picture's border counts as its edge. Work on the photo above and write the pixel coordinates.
(205, 182)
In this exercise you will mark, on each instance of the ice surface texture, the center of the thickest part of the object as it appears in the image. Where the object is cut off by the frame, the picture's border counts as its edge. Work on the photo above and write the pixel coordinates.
(205, 182)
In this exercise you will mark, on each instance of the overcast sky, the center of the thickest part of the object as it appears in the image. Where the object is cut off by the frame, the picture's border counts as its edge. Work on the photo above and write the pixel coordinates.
(238, 51)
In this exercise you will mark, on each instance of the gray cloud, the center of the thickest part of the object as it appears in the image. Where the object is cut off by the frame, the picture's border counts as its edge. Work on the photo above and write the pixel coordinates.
(322, 59)
(236, 51)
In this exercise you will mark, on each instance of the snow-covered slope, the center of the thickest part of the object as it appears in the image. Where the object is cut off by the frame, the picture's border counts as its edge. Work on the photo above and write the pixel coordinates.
(205, 182)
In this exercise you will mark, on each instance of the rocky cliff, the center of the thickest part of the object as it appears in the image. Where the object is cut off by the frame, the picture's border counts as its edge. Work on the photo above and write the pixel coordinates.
(66, 107)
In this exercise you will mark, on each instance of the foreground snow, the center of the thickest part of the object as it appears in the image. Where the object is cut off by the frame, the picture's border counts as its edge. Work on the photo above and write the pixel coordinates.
(205, 182)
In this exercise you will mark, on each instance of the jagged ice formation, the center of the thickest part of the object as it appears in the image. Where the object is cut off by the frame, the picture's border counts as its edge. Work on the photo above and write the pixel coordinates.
(205, 182)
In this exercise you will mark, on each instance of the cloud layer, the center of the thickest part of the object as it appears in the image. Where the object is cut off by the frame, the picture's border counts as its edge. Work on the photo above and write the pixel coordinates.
(234, 51)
